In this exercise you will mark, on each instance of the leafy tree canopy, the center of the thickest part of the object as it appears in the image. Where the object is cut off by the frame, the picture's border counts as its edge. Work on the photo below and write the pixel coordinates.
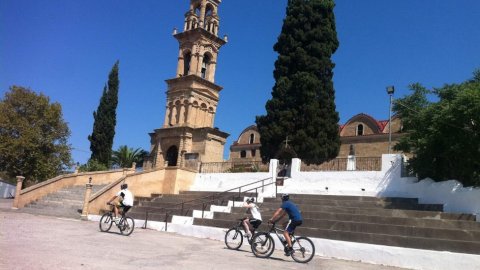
(92, 166)
(33, 136)
(302, 106)
(444, 136)
(124, 156)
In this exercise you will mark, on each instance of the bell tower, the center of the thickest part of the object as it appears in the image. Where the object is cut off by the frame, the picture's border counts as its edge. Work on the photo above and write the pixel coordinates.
(188, 134)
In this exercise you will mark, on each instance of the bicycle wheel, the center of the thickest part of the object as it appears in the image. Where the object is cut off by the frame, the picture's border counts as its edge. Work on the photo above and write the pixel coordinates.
(262, 245)
(126, 226)
(303, 250)
(233, 238)
(105, 222)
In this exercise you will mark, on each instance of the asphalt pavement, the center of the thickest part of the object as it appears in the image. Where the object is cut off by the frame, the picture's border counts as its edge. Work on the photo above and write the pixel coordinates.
(41, 242)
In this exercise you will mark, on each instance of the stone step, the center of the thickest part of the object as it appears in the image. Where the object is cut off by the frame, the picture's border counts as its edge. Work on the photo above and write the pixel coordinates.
(354, 204)
(368, 237)
(410, 231)
(54, 206)
(299, 198)
(67, 202)
(180, 201)
(52, 212)
(175, 204)
(406, 213)
(216, 193)
(336, 200)
(417, 222)
(58, 201)
(187, 211)
(157, 215)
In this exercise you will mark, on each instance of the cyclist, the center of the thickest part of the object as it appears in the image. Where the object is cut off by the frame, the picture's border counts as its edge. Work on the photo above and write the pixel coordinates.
(251, 224)
(125, 201)
(295, 219)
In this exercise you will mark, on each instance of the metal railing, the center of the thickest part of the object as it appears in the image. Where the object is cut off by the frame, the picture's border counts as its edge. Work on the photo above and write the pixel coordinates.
(218, 198)
(233, 167)
(340, 164)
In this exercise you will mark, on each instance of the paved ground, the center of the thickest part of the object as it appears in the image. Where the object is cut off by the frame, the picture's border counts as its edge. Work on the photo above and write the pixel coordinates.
(41, 242)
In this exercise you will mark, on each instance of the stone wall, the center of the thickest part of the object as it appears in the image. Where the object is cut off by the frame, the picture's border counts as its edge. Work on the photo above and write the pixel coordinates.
(144, 184)
(42, 189)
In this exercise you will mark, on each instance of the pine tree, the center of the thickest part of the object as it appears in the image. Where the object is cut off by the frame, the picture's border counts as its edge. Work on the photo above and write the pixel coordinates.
(105, 119)
(302, 106)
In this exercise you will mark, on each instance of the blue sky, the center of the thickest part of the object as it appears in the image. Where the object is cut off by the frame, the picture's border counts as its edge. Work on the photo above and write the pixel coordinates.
(65, 49)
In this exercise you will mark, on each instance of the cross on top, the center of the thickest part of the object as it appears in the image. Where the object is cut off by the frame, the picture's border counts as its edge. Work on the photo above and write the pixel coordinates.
(286, 142)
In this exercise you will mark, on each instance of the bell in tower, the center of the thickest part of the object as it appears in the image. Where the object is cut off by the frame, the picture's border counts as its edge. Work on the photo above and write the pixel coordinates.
(188, 135)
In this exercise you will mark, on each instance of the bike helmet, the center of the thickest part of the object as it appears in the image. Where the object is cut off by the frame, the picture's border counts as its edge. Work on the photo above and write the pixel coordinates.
(124, 186)
(250, 200)
(285, 197)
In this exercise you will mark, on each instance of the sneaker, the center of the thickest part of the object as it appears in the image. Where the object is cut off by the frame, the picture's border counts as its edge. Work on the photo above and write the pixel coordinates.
(288, 251)
(247, 235)
(116, 220)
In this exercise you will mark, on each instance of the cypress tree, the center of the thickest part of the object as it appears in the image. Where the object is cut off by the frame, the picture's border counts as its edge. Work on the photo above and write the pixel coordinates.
(302, 106)
(105, 120)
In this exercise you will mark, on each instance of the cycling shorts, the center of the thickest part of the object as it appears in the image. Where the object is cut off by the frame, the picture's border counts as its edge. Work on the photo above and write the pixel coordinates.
(124, 207)
(291, 225)
(255, 222)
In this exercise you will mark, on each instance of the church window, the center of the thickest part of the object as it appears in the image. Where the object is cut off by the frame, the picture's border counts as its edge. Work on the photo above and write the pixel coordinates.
(208, 11)
(360, 130)
(197, 10)
(254, 152)
(252, 138)
(205, 63)
(186, 63)
(243, 154)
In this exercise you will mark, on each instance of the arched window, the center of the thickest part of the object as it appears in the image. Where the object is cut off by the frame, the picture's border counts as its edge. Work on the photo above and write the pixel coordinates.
(254, 152)
(208, 10)
(205, 63)
(243, 154)
(252, 138)
(186, 63)
(359, 130)
(172, 156)
(197, 10)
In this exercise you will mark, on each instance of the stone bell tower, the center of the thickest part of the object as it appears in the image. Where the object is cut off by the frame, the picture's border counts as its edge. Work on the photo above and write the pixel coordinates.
(188, 134)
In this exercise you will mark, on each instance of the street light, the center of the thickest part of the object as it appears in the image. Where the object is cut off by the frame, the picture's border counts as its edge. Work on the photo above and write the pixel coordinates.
(390, 91)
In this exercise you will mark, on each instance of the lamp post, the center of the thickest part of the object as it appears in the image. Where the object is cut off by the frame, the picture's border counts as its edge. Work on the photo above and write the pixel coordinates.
(390, 91)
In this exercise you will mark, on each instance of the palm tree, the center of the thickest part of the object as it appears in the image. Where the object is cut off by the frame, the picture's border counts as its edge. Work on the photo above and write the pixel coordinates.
(125, 156)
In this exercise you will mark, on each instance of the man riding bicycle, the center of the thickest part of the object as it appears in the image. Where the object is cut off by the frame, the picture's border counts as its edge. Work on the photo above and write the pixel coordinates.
(295, 219)
(256, 219)
(125, 201)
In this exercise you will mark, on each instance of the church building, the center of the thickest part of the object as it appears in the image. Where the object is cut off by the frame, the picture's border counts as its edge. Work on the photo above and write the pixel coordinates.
(361, 135)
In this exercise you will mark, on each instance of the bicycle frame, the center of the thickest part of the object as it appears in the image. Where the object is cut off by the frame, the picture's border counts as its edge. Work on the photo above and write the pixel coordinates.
(263, 245)
(126, 224)
(280, 236)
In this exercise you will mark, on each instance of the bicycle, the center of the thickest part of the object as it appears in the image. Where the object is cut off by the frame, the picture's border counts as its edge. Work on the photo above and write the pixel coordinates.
(263, 245)
(234, 236)
(126, 224)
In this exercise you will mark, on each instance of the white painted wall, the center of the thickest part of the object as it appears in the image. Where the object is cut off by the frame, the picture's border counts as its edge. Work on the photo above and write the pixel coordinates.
(385, 183)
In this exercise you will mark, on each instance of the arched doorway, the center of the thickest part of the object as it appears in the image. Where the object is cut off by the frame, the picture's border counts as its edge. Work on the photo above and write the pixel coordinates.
(172, 156)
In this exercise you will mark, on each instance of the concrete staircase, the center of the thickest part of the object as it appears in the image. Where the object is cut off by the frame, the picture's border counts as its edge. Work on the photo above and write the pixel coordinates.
(159, 204)
(401, 222)
(67, 202)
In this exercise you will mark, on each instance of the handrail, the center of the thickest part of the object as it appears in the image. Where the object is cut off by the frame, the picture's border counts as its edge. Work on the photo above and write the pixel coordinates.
(219, 195)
